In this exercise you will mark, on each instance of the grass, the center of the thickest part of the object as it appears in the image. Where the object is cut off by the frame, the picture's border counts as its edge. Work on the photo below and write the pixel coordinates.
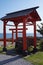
(8, 48)
(35, 59)
(1, 50)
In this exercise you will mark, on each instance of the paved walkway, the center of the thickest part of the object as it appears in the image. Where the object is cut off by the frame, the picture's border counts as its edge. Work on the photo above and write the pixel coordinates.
(13, 60)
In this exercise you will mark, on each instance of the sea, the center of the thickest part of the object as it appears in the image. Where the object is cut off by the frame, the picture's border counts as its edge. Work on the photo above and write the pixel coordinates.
(9, 35)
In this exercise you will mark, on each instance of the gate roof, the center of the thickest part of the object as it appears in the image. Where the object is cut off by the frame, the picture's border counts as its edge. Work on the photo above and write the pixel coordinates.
(31, 13)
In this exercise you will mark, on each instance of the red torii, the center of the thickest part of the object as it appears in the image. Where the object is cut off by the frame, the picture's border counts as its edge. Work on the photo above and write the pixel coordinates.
(23, 16)
(14, 31)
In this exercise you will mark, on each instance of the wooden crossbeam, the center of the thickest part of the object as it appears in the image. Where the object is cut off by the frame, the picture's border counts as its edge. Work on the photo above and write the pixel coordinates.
(20, 25)
(18, 29)
(26, 24)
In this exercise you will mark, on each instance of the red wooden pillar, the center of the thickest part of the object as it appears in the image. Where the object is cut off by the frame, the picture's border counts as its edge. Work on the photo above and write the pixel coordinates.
(24, 36)
(16, 33)
(4, 31)
(12, 36)
(34, 34)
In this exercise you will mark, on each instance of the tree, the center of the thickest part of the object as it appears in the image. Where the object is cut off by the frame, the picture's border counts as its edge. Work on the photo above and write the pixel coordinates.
(40, 30)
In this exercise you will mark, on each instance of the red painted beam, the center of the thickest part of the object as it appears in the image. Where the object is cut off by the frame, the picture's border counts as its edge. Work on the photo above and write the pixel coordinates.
(18, 29)
(26, 25)
(20, 25)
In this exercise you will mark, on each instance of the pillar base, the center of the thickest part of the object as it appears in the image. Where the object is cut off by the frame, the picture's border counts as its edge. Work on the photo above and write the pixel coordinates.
(5, 49)
(24, 53)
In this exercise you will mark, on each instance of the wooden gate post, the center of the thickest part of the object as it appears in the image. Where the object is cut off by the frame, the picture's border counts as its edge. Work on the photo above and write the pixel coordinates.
(24, 36)
(4, 34)
(16, 33)
(34, 34)
(35, 49)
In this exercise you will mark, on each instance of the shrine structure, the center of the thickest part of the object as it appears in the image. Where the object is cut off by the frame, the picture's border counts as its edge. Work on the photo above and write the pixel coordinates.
(23, 16)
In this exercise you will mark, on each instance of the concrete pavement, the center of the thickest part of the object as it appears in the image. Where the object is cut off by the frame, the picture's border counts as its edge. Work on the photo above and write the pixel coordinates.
(13, 60)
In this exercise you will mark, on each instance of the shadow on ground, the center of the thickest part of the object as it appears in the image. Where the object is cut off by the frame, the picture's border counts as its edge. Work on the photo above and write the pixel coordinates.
(11, 52)
(10, 60)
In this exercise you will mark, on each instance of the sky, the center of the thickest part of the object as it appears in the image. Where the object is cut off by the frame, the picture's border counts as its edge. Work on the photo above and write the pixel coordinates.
(7, 6)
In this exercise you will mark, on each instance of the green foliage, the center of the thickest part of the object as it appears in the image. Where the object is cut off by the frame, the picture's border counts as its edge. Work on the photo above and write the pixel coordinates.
(41, 45)
(1, 48)
(30, 48)
(8, 48)
(40, 30)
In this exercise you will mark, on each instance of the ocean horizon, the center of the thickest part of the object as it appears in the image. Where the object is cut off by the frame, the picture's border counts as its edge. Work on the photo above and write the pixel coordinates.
(9, 35)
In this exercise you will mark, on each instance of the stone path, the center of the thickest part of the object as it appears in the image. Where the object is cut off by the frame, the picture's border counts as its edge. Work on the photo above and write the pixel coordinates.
(13, 60)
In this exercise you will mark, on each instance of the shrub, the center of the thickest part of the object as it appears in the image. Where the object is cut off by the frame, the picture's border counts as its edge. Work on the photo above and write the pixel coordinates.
(41, 45)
